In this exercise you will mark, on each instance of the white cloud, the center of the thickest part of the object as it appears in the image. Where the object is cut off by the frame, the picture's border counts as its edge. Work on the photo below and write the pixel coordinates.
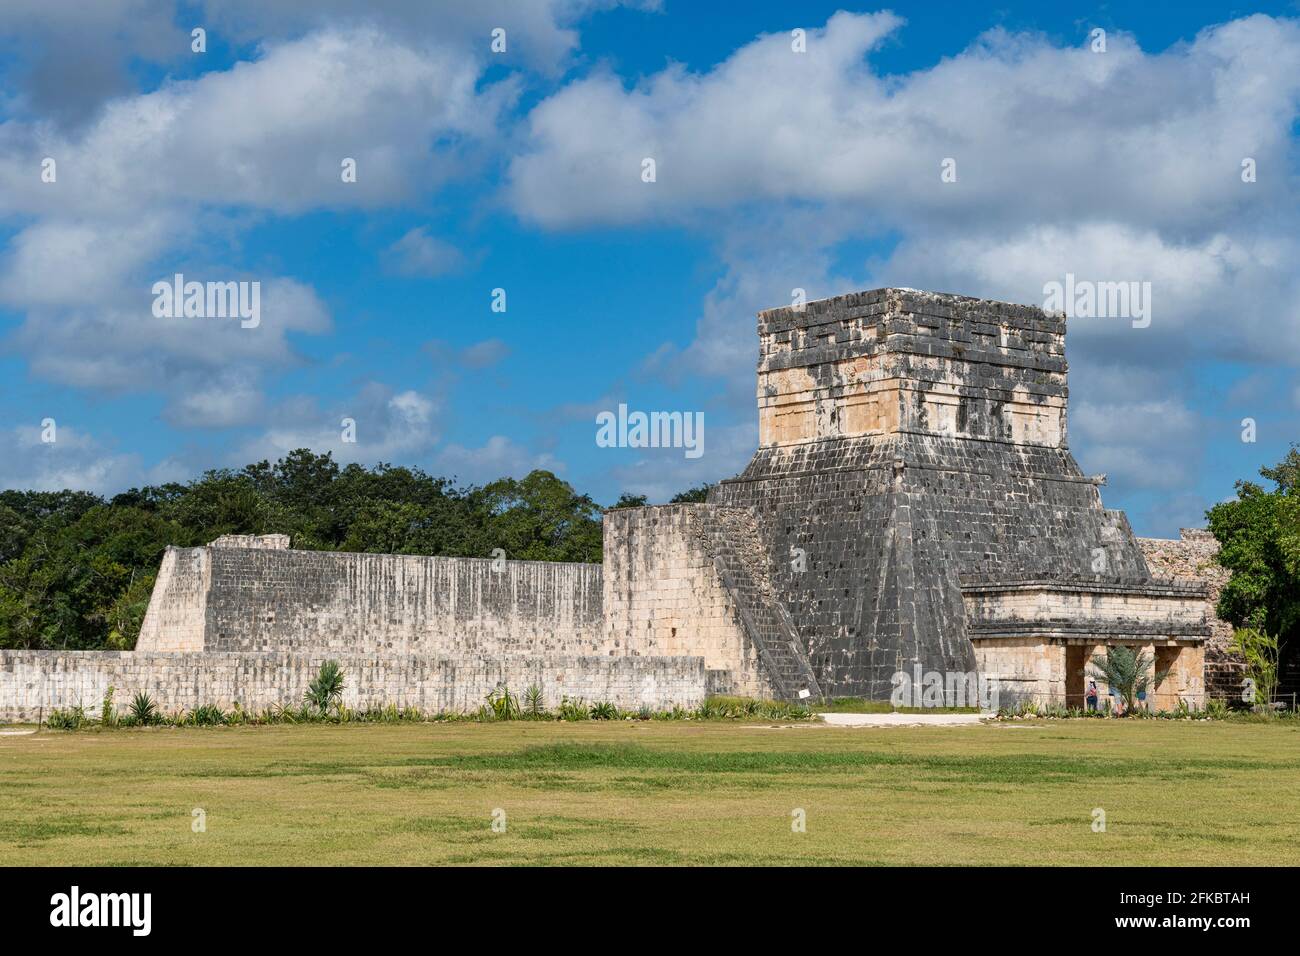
(419, 254)
(498, 457)
(1233, 296)
(226, 400)
(270, 133)
(389, 426)
(66, 59)
(1151, 138)
(1143, 444)
(74, 460)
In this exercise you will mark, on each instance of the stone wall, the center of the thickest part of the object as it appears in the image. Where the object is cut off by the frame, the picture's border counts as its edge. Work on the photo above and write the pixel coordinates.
(1172, 609)
(1054, 671)
(266, 598)
(1192, 555)
(33, 683)
(900, 360)
(177, 610)
(664, 595)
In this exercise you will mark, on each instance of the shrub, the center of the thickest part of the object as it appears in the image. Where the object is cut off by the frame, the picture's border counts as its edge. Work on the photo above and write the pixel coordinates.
(1260, 651)
(604, 710)
(74, 718)
(501, 704)
(207, 715)
(107, 715)
(741, 708)
(573, 709)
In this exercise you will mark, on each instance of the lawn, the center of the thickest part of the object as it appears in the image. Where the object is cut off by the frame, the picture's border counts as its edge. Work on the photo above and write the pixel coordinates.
(655, 793)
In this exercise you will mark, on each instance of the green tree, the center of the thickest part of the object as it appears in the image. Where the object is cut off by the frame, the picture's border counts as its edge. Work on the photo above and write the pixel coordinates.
(697, 495)
(539, 518)
(626, 500)
(1259, 539)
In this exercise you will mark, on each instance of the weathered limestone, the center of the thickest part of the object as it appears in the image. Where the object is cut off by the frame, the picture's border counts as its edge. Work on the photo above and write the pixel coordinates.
(913, 505)
(34, 682)
(1192, 556)
(909, 441)
(1035, 637)
(260, 599)
(693, 579)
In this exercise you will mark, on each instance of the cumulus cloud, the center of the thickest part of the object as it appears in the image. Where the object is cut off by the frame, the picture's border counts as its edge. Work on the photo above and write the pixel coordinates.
(99, 331)
(74, 460)
(66, 59)
(385, 426)
(539, 34)
(1232, 295)
(270, 133)
(420, 254)
(1021, 117)
(1142, 444)
(498, 457)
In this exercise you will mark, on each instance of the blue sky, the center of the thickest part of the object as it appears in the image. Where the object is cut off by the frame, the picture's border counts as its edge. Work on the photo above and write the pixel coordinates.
(519, 171)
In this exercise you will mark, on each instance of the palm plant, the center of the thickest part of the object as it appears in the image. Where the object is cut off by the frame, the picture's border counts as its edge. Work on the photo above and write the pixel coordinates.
(326, 689)
(1260, 649)
(1127, 672)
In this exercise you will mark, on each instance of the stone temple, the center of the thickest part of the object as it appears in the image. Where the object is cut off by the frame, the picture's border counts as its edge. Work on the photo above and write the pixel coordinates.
(912, 507)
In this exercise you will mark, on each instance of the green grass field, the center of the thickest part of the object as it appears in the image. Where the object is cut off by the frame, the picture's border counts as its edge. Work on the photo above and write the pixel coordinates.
(655, 793)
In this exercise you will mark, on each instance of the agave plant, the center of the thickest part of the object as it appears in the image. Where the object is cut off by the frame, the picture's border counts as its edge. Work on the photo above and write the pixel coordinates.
(207, 715)
(1128, 673)
(143, 710)
(326, 689)
(534, 703)
(573, 709)
(604, 710)
(502, 705)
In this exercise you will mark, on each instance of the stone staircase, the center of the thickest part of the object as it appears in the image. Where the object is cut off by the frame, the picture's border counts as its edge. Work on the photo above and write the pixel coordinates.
(731, 537)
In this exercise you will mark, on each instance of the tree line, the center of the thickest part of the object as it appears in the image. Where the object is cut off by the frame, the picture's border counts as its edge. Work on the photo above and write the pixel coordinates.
(77, 569)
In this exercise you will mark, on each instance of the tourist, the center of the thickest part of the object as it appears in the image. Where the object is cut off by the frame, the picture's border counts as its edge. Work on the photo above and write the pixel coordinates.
(1092, 694)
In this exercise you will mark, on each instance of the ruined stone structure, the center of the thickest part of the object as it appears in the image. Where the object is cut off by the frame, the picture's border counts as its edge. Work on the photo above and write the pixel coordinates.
(913, 507)
(1192, 557)
(913, 454)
